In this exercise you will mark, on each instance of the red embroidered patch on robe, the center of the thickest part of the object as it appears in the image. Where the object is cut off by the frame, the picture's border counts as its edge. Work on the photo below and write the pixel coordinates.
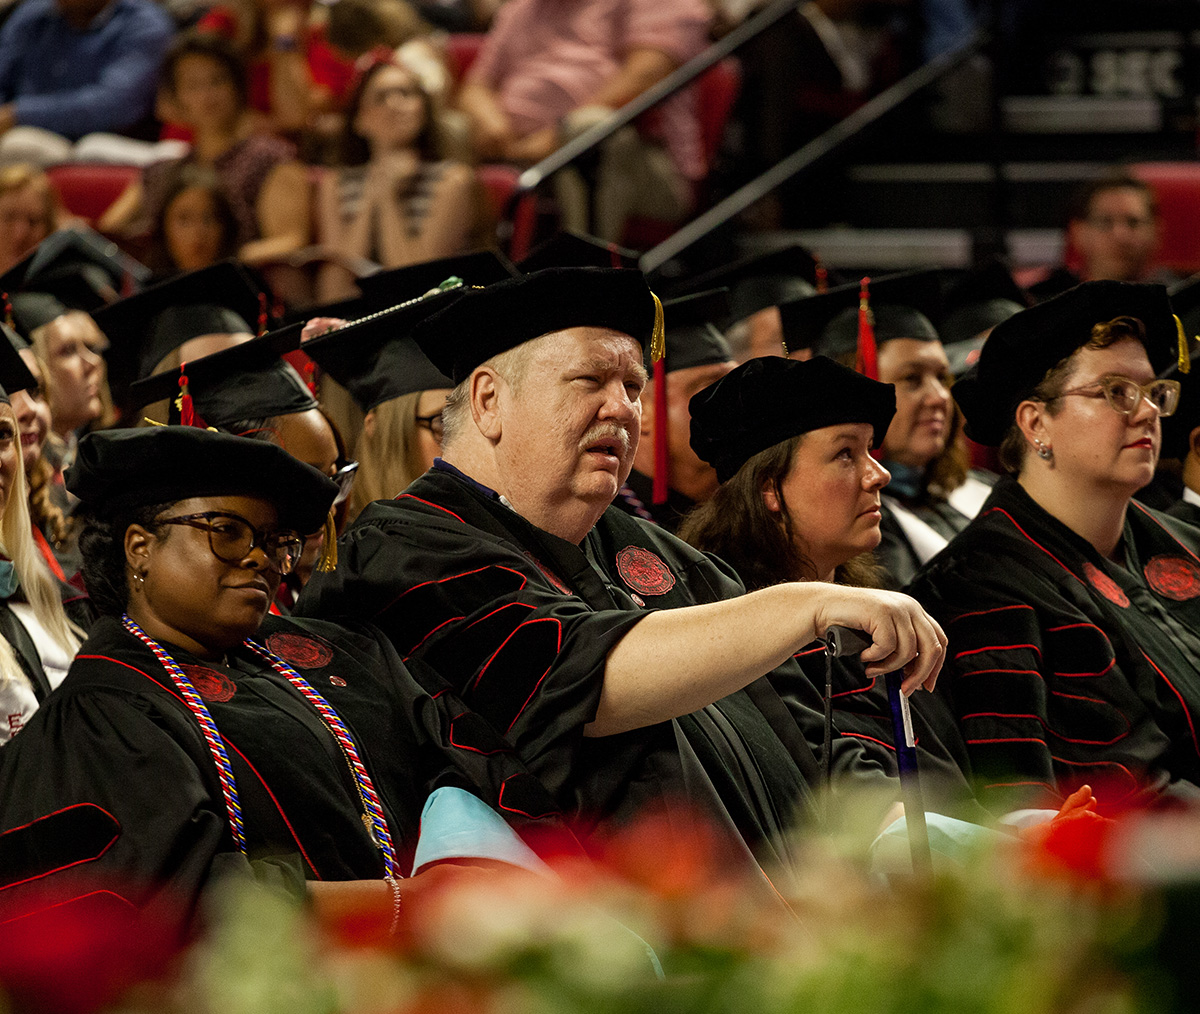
(1106, 586)
(210, 684)
(1174, 577)
(644, 572)
(300, 651)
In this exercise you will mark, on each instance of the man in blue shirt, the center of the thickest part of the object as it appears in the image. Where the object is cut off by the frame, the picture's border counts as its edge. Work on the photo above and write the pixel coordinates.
(73, 67)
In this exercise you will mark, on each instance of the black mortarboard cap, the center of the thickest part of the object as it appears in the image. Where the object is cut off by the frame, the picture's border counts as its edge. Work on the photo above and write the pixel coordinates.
(14, 374)
(399, 285)
(770, 399)
(692, 337)
(482, 323)
(144, 328)
(248, 381)
(760, 280)
(569, 249)
(1023, 349)
(977, 300)
(902, 305)
(375, 359)
(1177, 427)
(124, 468)
(1185, 301)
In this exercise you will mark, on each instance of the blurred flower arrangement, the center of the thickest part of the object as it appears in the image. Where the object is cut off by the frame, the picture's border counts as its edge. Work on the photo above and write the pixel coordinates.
(1020, 927)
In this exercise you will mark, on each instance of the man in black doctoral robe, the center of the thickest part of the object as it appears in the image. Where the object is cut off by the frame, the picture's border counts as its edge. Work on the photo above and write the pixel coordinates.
(553, 616)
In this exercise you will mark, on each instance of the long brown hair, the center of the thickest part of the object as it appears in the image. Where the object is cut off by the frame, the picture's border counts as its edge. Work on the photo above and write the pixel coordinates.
(761, 544)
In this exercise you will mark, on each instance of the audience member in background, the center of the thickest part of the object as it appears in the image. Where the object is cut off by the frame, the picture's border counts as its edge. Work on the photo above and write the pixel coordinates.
(196, 225)
(551, 70)
(395, 201)
(267, 187)
(37, 639)
(29, 211)
(931, 496)
(1113, 229)
(293, 74)
(459, 15)
(401, 393)
(697, 356)
(75, 67)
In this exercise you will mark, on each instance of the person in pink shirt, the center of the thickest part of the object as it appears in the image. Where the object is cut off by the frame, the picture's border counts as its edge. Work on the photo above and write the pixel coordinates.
(551, 69)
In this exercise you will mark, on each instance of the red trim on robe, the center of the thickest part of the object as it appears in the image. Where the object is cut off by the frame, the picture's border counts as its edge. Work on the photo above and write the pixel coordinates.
(39, 540)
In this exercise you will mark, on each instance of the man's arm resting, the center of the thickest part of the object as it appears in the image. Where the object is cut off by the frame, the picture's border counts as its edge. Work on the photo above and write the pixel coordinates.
(676, 661)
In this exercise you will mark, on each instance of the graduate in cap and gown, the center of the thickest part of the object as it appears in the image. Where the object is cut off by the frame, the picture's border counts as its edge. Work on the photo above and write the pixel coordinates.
(799, 500)
(250, 390)
(1073, 611)
(42, 618)
(697, 355)
(883, 327)
(399, 391)
(624, 665)
(197, 737)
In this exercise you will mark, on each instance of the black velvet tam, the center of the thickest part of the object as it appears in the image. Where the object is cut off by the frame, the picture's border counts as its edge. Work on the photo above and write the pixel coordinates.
(14, 374)
(770, 399)
(903, 306)
(976, 300)
(1023, 349)
(482, 323)
(375, 359)
(246, 382)
(126, 468)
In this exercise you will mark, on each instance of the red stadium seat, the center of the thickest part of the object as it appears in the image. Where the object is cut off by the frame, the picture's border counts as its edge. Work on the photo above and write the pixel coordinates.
(1177, 187)
(87, 189)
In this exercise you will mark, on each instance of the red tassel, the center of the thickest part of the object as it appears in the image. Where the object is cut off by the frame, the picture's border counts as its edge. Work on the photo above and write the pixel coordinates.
(866, 363)
(310, 377)
(8, 317)
(662, 461)
(822, 278)
(262, 314)
(187, 413)
(613, 256)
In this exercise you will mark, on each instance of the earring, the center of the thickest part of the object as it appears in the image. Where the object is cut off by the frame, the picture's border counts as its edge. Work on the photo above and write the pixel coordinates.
(140, 578)
(1043, 451)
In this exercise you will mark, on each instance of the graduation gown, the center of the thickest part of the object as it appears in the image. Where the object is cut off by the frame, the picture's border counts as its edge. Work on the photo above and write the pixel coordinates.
(522, 622)
(1064, 667)
(667, 515)
(112, 783)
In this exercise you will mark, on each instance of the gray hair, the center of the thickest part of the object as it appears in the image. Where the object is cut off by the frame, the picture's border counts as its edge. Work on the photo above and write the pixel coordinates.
(511, 364)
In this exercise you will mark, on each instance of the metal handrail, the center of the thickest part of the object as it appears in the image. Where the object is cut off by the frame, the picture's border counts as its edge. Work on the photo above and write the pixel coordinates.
(678, 79)
(818, 148)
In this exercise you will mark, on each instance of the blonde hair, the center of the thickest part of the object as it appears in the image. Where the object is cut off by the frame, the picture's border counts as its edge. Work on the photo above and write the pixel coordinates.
(38, 584)
(39, 337)
(388, 454)
(22, 175)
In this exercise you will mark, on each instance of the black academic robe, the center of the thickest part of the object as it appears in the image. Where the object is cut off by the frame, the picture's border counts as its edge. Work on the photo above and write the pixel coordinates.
(521, 623)
(1187, 511)
(1064, 667)
(112, 784)
(897, 554)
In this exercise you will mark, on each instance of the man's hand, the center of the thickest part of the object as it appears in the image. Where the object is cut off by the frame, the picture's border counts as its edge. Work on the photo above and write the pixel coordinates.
(319, 326)
(903, 635)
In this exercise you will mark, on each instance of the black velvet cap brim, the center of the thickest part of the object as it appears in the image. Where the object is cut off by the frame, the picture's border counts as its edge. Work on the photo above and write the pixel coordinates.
(32, 310)
(126, 468)
(482, 323)
(374, 358)
(759, 281)
(399, 285)
(1024, 348)
(14, 374)
(248, 381)
(770, 399)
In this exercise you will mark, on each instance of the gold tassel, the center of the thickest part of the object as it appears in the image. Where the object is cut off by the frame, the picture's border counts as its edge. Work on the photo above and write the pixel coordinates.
(1185, 357)
(658, 338)
(328, 559)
